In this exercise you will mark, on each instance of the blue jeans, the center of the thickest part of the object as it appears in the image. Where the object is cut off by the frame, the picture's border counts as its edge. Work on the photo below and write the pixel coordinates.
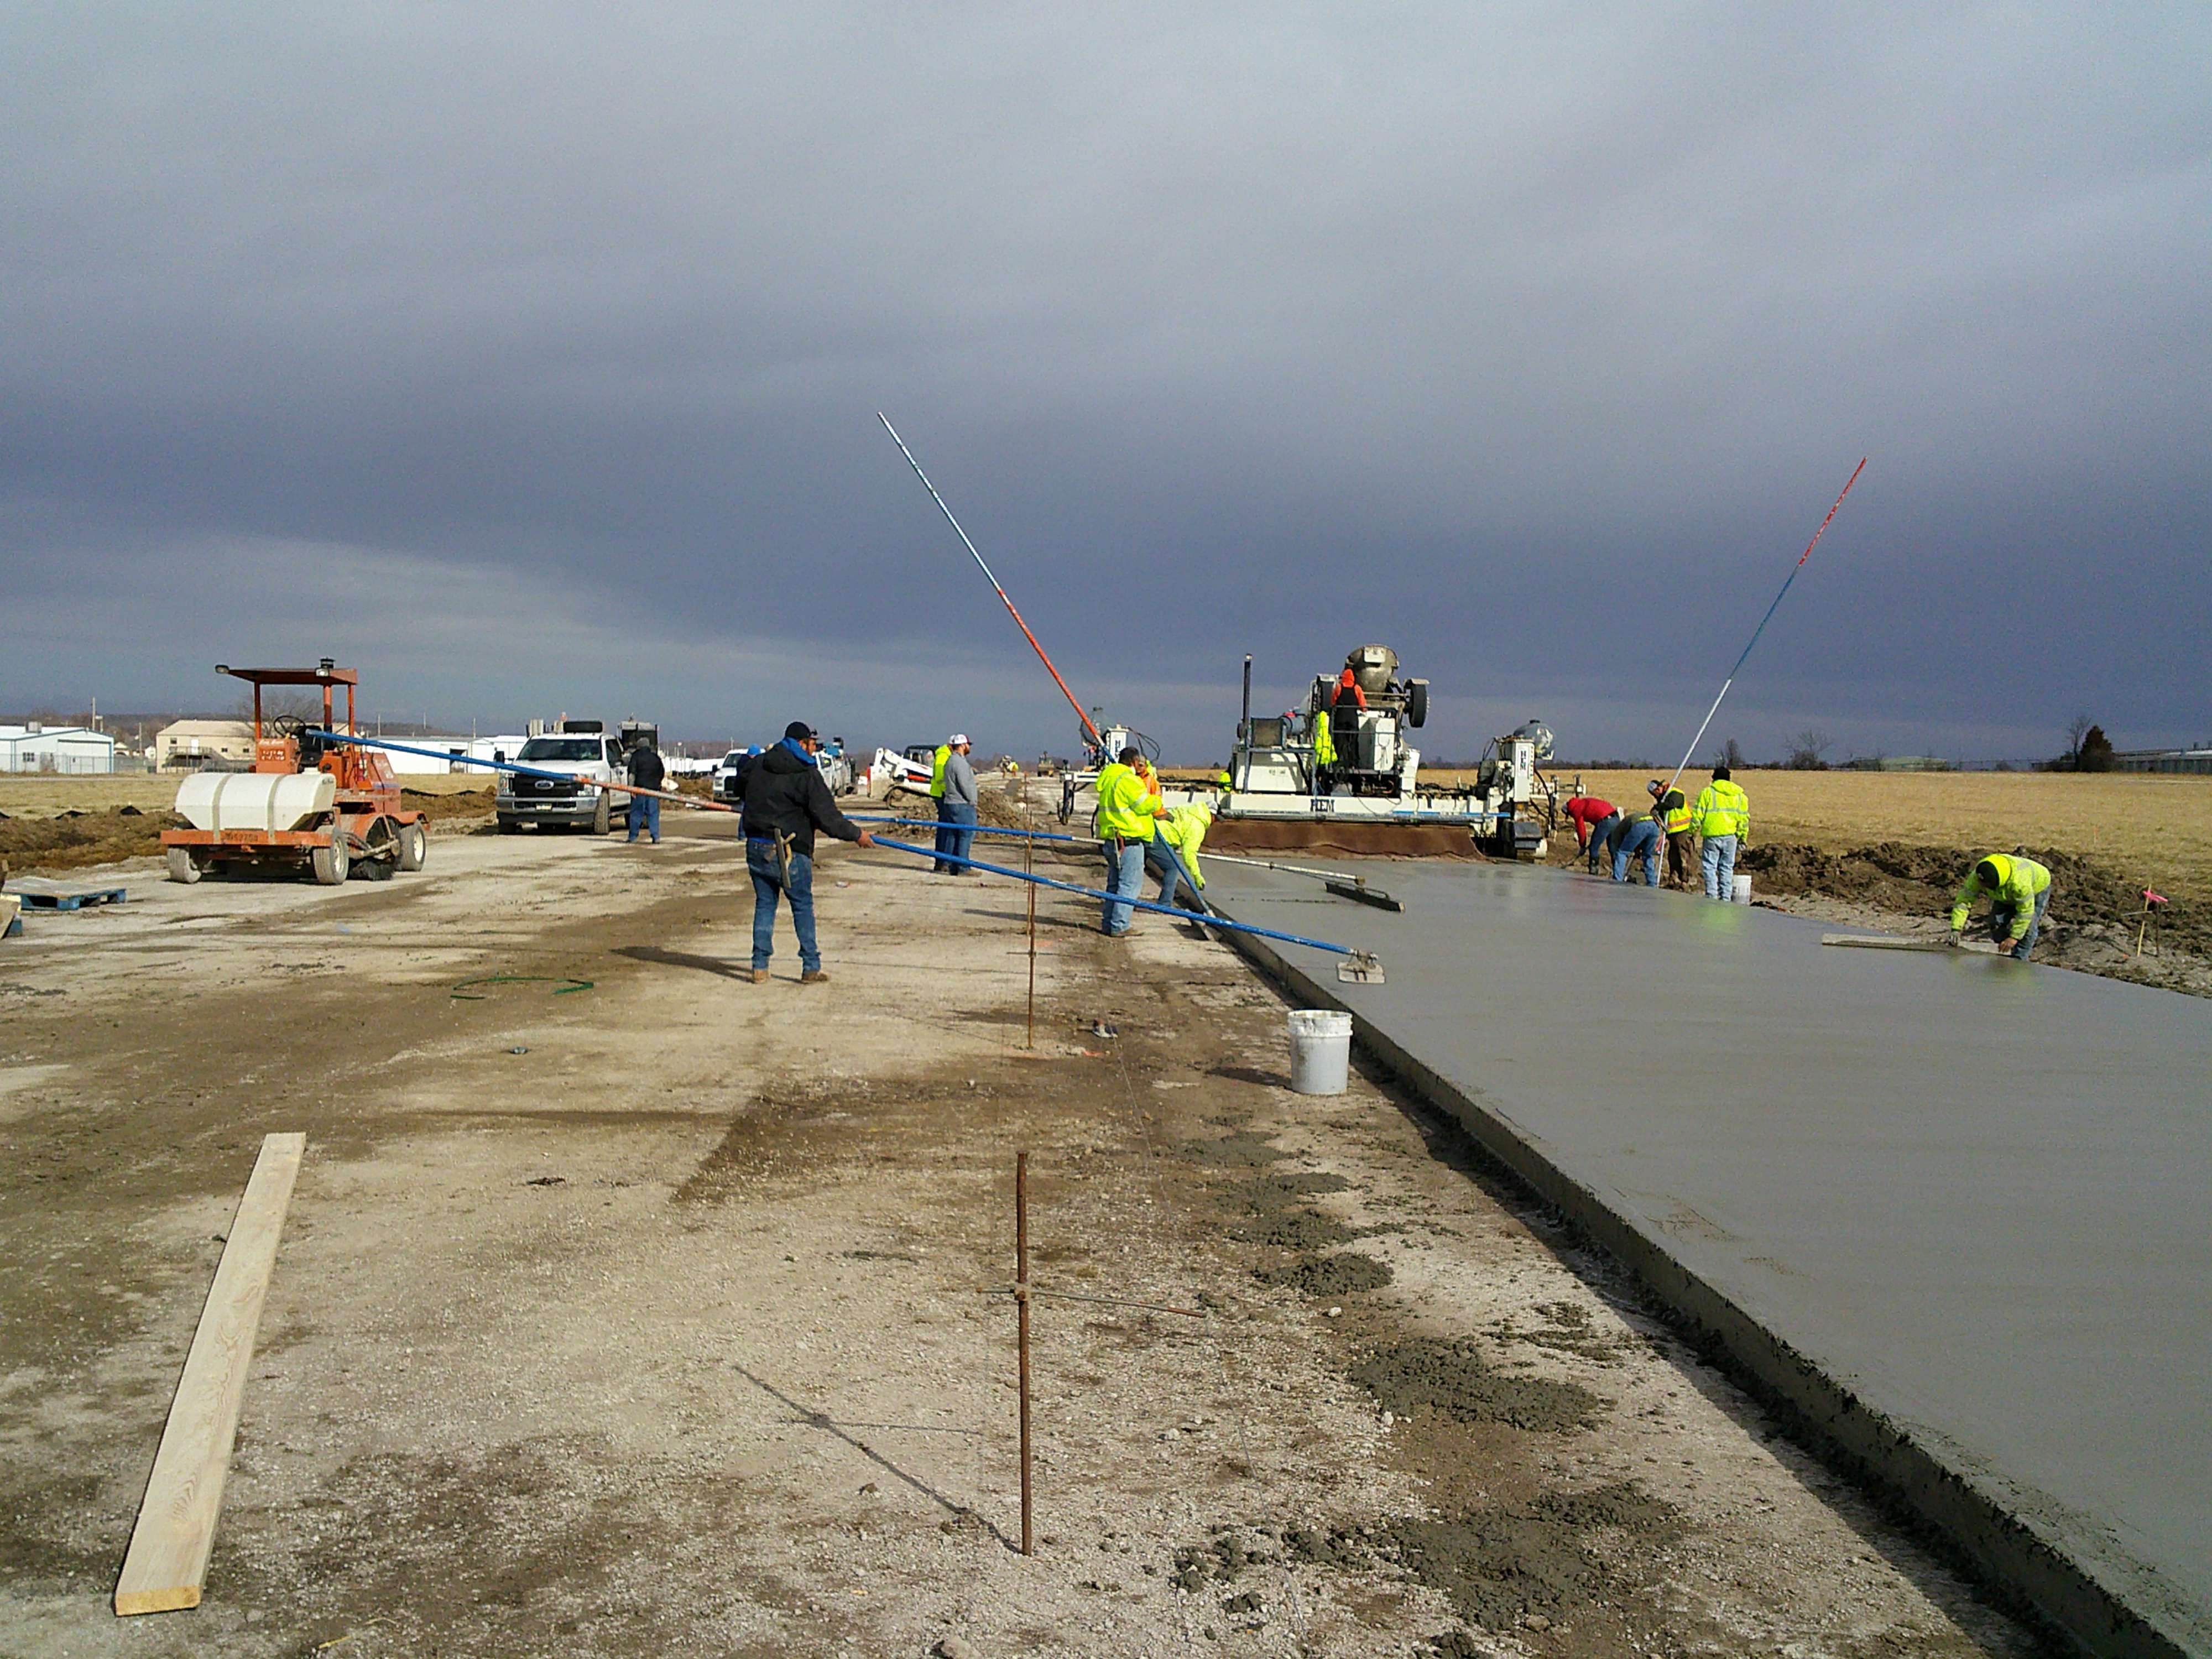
(1598, 832)
(797, 884)
(1165, 862)
(1125, 878)
(942, 842)
(1642, 840)
(644, 814)
(2002, 916)
(1719, 868)
(956, 833)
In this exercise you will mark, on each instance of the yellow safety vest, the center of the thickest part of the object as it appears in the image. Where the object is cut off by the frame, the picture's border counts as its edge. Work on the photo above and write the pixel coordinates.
(937, 770)
(1722, 808)
(1126, 806)
(1184, 828)
(2019, 880)
(1324, 745)
(1673, 812)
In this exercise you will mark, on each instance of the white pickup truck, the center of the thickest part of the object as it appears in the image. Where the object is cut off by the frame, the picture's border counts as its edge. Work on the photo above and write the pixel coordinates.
(578, 799)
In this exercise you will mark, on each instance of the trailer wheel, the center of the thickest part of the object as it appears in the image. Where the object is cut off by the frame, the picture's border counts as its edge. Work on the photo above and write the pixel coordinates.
(330, 863)
(183, 866)
(603, 816)
(414, 846)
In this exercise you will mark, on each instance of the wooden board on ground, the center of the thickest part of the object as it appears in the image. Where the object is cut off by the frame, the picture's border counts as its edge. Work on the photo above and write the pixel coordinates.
(167, 1560)
(1886, 942)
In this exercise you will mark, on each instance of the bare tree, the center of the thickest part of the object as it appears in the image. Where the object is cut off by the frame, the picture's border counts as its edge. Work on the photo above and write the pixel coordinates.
(1730, 755)
(2076, 729)
(1805, 749)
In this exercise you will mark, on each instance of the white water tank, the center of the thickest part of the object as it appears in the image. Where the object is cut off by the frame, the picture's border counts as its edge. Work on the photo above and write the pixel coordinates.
(270, 801)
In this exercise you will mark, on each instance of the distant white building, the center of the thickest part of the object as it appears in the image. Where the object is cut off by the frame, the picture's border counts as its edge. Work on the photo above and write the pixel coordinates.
(191, 743)
(71, 748)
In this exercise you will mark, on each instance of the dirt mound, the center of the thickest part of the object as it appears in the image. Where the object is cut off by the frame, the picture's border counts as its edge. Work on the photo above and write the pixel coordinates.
(75, 840)
(446, 805)
(1347, 840)
(2087, 899)
(1330, 1275)
(992, 808)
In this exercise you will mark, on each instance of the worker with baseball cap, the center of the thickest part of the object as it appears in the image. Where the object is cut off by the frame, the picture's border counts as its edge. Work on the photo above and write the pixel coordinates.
(2020, 893)
(786, 802)
(1670, 811)
(952, 782)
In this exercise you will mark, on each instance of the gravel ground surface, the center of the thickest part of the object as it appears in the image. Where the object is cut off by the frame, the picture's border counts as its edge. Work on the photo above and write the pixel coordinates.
(668, 1315)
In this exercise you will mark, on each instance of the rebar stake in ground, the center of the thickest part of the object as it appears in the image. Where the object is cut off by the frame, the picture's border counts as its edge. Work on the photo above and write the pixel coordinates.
(1022, 1326)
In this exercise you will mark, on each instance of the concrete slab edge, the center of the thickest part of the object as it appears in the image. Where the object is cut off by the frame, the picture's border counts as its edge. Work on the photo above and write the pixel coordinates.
(2112, 1606)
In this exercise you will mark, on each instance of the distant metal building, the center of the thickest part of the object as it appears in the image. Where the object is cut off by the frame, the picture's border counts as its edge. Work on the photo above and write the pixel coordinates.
(70, 749)
(2164, 760)
(197, 742)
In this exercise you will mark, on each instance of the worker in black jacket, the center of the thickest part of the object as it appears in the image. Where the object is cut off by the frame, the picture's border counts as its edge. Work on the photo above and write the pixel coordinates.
(786, 802)
(646, 771)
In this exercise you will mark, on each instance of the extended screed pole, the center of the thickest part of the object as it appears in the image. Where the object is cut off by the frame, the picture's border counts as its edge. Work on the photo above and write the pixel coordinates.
(1763, 620)
(1022, 1337)
(985, 569)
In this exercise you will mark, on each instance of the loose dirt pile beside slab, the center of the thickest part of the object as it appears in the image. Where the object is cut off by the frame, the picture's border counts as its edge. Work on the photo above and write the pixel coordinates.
(75, 840)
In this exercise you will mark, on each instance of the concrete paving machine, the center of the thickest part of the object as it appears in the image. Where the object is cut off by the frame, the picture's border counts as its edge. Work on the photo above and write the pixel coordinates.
(1342, 765)
(332, 808)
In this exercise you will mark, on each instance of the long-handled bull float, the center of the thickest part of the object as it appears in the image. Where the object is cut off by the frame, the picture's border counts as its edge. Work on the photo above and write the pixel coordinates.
(1355, 968)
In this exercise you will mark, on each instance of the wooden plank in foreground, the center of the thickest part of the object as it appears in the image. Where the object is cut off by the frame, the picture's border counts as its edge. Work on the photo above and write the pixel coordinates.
(1884, 942)
(167, 1560)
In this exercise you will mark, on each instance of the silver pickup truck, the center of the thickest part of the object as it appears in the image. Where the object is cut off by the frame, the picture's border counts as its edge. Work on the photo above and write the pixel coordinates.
(590, 759)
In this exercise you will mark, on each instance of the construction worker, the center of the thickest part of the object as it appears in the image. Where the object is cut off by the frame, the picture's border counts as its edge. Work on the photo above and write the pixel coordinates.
(952, 787)
(1324, 751)
(786, 802)
(1129, 810)
(1173, 855)
(1723, 817)
(646, 771)
(1345, 705)
(1638, 837)
(2020, 893)
(1671, 808)
(1592, 819)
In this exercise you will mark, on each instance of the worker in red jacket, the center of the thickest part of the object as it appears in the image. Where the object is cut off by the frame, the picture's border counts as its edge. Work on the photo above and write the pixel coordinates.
(1592, 819)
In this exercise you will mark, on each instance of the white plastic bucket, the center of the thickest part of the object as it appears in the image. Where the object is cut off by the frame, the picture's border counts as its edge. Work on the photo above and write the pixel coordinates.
(1742, 893)
(1321, 1051)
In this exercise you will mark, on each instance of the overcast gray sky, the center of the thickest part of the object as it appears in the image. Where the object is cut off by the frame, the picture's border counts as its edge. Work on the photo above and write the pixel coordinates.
(528, 358)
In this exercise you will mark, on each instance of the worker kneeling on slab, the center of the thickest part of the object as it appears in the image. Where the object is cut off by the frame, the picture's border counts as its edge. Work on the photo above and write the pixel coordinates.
(2019, 891)
(786, 802)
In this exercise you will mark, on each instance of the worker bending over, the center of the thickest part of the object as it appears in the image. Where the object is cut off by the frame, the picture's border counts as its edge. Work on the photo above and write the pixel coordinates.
(1173, 854)
(2020, 893)
(1129, 809)
(1640, 839)
(1592, 819)
(1723, 817)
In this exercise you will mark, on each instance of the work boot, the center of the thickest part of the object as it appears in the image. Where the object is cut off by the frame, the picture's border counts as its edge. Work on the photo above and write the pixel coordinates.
(814, 976)
(759, 976)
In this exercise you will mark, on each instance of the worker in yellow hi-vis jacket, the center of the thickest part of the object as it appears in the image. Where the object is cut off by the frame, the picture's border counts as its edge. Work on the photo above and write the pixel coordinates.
(2020, 893)
(1173, 856)
(1129, 809)
(1722, 814)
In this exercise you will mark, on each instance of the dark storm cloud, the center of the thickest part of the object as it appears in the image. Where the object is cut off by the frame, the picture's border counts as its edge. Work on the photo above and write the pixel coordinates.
(1533, 340)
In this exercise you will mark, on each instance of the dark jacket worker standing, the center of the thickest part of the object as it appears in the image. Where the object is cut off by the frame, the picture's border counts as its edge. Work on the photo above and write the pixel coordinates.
(786, 802)
(646, 771)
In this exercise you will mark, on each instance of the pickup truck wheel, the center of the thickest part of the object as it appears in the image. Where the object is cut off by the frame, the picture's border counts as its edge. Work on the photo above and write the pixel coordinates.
(414, 846)
(509, 827)
(329, 864)
(183, 866)
(603, 816)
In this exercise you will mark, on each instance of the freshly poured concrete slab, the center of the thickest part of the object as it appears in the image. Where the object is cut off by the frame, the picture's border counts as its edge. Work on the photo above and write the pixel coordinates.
(1977, 1195)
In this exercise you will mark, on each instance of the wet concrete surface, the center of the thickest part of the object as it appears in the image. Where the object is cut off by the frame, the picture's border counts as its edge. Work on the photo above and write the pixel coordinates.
(1972, 1193)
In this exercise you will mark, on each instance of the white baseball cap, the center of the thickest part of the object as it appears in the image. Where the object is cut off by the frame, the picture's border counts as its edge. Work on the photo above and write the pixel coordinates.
(958, 739)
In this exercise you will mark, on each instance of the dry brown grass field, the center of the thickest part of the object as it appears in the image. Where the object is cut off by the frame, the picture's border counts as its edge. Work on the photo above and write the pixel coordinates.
(2156, 829)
